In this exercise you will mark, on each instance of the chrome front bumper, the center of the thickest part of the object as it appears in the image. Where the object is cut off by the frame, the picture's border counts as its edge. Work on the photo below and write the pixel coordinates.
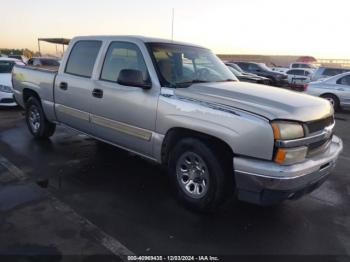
(258, 181)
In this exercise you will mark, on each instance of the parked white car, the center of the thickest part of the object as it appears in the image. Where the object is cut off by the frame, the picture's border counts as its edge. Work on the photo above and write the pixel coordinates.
(299, 76)
(295, 65)
(6, 91)
(302, 66)
(335, 89)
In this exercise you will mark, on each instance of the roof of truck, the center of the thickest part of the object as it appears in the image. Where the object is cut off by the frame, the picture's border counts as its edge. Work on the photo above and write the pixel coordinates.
(144, 39)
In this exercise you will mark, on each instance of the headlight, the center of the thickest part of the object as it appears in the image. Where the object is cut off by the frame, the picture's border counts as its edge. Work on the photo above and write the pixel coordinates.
(284, 130)
(287, 130)
(5, 89)
(288, 156)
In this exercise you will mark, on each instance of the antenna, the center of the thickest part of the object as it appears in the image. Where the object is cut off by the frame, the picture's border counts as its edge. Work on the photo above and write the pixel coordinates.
(172, 25)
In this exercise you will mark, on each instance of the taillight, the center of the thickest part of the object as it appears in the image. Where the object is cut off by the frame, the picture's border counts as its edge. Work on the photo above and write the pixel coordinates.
(305, 86)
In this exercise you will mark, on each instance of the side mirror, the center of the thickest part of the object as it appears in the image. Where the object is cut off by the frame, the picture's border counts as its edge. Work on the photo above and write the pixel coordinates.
(132, 77)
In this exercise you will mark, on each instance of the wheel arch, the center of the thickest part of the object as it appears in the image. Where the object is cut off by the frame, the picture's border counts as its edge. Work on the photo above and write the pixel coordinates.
(177, 133)
(27, 93)
(329, 93)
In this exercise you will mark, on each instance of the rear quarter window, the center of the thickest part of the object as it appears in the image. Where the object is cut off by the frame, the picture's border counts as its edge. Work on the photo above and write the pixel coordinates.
(82, 58)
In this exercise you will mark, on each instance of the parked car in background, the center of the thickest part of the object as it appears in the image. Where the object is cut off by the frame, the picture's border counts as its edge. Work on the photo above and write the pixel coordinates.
(302, 66)
(44, 62)
(295, 65)
(249, 77)
(324, 72)
(6, 91)
(216, 136)
(235, 66)
(299, 76)
(280, 69)
(260, 69)
(19, 57)
(335, 89)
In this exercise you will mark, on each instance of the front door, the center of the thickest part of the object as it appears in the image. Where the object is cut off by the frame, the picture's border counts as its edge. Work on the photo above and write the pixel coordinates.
(124, 115)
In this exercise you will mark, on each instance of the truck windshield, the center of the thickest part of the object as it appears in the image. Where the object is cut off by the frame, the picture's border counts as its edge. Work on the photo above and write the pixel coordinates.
(180, 65)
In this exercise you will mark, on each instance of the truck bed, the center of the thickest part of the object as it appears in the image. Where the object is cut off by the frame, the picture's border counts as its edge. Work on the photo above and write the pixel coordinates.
(38, 80)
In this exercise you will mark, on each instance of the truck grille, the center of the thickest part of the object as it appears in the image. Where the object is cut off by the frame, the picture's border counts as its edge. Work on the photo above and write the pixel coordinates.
(319, 125)
(319, 147)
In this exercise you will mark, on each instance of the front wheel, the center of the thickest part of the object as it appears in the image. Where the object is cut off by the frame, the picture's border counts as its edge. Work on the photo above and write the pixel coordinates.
(333, 100)
(37, 123)
(200, 179)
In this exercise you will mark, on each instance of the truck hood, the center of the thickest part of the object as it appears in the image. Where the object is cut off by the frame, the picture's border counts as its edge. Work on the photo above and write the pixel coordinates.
(269, 102)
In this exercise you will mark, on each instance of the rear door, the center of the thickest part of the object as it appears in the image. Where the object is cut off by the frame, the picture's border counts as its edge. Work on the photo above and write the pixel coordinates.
(73, 85)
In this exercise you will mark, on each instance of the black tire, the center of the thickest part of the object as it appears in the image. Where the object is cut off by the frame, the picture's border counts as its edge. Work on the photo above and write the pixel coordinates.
(42, 129)
(220, 180)
(334, 100)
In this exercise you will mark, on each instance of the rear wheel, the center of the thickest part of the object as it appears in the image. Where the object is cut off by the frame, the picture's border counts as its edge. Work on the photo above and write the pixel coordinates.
(37, 123)
(333, 100)
(200, 179)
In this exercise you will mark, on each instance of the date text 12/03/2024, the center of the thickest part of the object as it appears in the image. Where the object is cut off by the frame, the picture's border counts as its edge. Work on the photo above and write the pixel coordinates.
(173, 258)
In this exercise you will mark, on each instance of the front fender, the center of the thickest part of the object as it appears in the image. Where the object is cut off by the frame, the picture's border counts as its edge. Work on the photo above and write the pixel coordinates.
(245, 133)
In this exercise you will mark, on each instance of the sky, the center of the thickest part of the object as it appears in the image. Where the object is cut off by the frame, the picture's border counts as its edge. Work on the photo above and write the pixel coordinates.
(267, 27)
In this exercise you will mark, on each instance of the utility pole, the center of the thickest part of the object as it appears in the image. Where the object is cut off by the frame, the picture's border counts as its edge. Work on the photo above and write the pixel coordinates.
(172, 25)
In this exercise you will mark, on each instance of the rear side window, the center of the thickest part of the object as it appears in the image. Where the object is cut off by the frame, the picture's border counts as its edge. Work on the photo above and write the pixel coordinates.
(82, 58)
(332, 71)
(344, 80)
(123, 55)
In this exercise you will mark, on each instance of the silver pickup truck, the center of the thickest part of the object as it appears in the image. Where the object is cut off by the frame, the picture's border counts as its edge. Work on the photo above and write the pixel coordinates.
(177, 104)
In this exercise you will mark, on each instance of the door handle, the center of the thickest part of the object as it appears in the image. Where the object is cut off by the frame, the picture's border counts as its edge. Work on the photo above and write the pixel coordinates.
(98, 93)
(63, 85)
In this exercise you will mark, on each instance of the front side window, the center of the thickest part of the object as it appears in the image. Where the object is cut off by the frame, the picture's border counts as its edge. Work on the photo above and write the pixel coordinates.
(181, 66)
(82, 58)
(253, 67)
(295, 65)
(243, 66)
(120, 56)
